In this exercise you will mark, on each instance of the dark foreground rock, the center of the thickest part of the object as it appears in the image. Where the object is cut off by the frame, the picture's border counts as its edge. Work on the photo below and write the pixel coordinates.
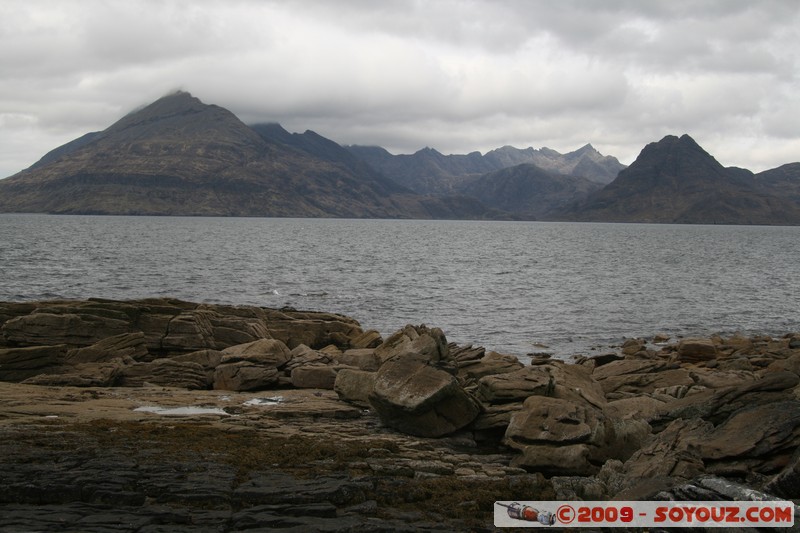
(83, 459)
(160, 415)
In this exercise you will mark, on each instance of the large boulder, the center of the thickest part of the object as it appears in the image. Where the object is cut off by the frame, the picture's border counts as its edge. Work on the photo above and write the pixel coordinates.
(266, 352)
(429, 344)
(630, 377)
(632, 347)
(556, 379)
(251, 366)
(236, 325)
(368, 339)
(466, 354)
(491, 364)
(18, 364)
(173, 326)
(131, 345)
(9, 310)
(363, 359)
(416, 398)
(569, 435)
(757, 438)
(314, 329)
(555, 421)
(189, 331)
(354, 386)
(554, 459)
(556, 436)
(717, 405)
(302, 355)
(496, 417)
(721, 378)
(208, 359)
(696, 350)
(80, 328)
(642, 407)
(670, 457)
(516, 386)
(314, 377)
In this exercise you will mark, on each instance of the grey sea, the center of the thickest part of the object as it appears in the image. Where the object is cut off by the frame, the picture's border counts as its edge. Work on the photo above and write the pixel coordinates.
(513, 287)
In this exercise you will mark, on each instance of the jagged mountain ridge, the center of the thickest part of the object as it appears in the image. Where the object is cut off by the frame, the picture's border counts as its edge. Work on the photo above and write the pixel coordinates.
(674, 180)
(585, 162)
(179, 156)
(428, 171)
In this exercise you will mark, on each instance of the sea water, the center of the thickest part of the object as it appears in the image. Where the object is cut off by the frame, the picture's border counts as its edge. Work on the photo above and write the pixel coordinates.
(513, 287)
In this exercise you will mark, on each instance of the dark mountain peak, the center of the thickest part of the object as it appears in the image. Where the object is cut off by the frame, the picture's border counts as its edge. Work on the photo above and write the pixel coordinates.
(586, 149)
(508, 149)
(273, 132)
(179, 156)
(676, 156)
(369, 151)
(177, 103)
(180, 117)
(429, 152)
(673, 141)
(179, 99)
(176, 114)
(311, 134)
(675, 180)
(549, 152)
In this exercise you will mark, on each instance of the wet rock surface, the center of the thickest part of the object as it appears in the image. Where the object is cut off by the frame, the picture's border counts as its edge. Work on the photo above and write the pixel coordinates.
(161, 415)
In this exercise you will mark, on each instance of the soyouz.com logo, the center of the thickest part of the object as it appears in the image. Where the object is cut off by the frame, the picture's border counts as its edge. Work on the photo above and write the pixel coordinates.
(644, 514)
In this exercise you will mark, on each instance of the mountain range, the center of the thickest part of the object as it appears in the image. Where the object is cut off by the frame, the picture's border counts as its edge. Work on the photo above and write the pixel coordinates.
(676, 181)
(179, 156)
(431, 172)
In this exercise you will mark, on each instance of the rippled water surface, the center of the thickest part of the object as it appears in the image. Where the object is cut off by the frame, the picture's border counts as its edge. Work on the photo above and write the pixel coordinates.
(510, 286)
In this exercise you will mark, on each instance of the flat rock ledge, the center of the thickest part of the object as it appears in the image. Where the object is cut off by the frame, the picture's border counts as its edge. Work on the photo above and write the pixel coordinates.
(163, 415)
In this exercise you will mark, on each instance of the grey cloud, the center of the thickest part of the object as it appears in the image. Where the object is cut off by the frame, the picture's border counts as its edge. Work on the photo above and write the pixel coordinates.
(456, 75)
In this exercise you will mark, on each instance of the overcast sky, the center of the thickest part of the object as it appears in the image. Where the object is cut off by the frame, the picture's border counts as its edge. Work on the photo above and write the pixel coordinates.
(454, 75)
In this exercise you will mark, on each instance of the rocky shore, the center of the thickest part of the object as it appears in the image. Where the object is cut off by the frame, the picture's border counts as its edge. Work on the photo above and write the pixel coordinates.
(164, 415)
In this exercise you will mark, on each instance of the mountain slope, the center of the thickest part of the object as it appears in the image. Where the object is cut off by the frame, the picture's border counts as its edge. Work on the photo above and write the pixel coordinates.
(179, 156)
(783, 181)
(676, 181)
(317, 146)
(426, 171)
(529, 191)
